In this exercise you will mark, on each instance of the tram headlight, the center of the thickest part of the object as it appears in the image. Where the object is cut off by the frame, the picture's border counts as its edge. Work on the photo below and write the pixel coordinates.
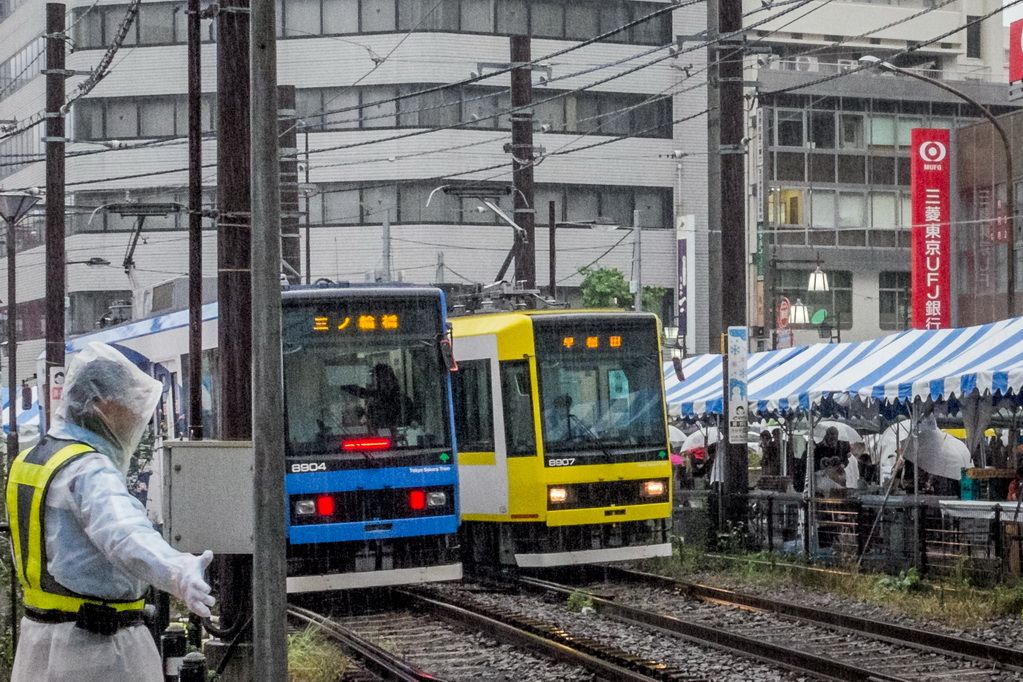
(436, 499)
(652, 489)
(305, 507)
(557, 495)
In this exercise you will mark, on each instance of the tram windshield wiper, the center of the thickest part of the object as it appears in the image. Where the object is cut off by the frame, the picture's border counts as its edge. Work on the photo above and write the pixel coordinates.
(594, 438)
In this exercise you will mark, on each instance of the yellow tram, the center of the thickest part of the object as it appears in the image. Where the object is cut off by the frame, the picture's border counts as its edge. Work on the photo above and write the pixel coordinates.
(562, 437)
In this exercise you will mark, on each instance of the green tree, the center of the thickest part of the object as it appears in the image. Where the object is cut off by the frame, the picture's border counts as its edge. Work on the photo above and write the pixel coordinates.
(608, 288)
(604, 288)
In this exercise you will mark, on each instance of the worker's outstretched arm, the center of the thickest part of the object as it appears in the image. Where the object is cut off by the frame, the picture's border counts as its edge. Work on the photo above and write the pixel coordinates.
(117, 524)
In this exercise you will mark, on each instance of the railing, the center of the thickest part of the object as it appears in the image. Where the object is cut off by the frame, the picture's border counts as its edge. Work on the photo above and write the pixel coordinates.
(982, 544)
(810, 65)
(845, 237)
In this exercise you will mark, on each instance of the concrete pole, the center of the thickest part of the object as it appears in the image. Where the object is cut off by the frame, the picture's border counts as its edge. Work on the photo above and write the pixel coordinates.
(269, 590)
(637, 259)
(195, 426)
(56, 271)
(387, 245)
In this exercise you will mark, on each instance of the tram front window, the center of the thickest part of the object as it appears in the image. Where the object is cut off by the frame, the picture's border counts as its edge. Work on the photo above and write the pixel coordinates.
(362, 392)
(600, 387)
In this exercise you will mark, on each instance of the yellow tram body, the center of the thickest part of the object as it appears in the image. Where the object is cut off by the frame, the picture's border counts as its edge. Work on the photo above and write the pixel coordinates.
(545, 481)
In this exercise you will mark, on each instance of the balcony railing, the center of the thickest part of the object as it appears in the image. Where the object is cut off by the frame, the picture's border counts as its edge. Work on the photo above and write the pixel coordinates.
(810, 65)
(844, 237)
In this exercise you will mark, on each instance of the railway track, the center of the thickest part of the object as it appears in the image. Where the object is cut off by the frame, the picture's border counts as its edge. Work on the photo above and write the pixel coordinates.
(420, 638)
(927, 639)
(822, 643)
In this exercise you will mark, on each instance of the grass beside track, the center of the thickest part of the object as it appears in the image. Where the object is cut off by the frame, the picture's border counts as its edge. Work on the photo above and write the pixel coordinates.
(953, 602)
(312, 658)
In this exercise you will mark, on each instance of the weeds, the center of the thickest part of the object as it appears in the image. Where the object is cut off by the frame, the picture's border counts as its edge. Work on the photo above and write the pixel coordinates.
(905, 582)
(579, 600)
(311, 658)
(954, 602)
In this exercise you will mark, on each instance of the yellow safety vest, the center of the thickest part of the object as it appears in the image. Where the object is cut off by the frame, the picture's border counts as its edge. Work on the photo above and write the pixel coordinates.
(29, 480)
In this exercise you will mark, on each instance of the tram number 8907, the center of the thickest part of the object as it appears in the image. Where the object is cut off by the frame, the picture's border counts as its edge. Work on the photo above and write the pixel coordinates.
(561, 462)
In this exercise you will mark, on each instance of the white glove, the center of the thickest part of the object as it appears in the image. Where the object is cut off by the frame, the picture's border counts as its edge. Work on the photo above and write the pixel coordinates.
(192, 586)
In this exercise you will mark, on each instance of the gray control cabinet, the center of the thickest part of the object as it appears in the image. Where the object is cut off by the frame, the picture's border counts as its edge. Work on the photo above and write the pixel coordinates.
(208, 496)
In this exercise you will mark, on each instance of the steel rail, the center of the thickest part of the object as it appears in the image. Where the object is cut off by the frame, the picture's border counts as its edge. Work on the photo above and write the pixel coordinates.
(512, 634)
(734, 643)
(380, 662)
(900, 634)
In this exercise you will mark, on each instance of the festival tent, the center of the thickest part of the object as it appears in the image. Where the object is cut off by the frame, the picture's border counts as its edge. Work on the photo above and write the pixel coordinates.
(987, 359)
(28, 420)
(791, 386)
(700, 393)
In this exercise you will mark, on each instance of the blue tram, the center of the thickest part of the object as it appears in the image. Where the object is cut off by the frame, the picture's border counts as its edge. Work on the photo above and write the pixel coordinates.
(370, 471)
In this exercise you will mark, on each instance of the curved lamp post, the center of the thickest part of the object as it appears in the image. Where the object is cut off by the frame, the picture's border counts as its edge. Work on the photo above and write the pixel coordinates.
(1010, 194)
(13, 207)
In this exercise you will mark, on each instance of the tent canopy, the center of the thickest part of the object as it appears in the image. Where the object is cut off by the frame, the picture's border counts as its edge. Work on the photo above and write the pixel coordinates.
(915, 364)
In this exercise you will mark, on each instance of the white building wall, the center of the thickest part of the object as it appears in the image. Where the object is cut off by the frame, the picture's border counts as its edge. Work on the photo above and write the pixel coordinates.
(348, 252)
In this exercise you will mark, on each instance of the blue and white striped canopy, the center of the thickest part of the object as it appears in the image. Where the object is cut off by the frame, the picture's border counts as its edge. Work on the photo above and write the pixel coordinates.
(941, 364)
(701, 392)
(28, 420)
(794, 384)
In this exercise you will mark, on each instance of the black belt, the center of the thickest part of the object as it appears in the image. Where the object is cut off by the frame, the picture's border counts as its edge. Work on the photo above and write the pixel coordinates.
(96, 618)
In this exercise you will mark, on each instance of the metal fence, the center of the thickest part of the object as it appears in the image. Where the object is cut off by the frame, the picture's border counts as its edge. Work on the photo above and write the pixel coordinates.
(902, 532)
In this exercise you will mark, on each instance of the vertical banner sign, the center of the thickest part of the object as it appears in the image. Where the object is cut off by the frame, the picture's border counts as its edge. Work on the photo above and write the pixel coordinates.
(738, 349)
(929, 238)
(682, 268)
(1016, 51)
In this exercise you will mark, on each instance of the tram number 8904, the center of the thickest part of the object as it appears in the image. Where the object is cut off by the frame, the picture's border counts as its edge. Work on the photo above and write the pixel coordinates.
(307, 467)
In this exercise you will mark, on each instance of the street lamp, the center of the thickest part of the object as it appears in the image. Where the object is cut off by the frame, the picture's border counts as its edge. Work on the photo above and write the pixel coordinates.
(1010, 198)
(798, 313)
(13, 207)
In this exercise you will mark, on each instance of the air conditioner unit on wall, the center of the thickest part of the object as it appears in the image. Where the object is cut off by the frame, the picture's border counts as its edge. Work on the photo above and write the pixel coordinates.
(847, 64)
(807, 63)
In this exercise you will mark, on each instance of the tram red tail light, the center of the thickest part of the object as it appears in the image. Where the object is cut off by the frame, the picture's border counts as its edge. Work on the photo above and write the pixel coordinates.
(325, 505)
(417, 500)
(366, 444)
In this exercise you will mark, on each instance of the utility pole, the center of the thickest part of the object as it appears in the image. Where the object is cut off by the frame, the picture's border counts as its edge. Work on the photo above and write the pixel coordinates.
(552, 251)
(522, 161)
(733, 227)
(438, 277)
(291, 248)
(714, 269)
(269, 592)
(386, 238)
(195, 428)
(234, 281)
(56, 272)
(637, 262)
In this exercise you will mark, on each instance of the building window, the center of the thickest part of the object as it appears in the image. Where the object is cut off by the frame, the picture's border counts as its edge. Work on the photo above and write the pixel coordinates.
(893, 300)
(790, 129)
(123, 118)
(825, 308)
(87, 308)
(851, 128)
(973, 37)
(787, 207)
(161, 23)
(822, 129)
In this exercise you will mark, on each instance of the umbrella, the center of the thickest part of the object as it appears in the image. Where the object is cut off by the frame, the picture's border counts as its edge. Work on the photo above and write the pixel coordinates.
(675, 435)
(700, 438)
(939, 454)
(845, 432)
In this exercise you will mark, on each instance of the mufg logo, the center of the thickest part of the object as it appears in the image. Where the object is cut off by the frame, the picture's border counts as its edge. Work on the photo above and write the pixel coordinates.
(932, 154)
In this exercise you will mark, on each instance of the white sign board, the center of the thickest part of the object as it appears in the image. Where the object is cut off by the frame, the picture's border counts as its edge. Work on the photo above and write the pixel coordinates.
(738, 350)
(56, 388)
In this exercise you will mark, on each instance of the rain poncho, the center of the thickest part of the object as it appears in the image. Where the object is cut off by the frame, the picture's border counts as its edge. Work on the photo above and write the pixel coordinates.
(98, 539)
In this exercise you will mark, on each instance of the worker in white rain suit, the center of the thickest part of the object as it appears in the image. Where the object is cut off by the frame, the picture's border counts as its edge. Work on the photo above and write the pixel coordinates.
(83, 547)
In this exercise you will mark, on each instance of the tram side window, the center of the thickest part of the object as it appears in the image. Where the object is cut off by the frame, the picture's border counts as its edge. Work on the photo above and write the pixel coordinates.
(516, 393)
(474, 406)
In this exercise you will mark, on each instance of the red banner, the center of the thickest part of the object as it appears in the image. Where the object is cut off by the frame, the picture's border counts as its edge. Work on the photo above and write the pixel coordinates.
(1016, 51)
(929, 183)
